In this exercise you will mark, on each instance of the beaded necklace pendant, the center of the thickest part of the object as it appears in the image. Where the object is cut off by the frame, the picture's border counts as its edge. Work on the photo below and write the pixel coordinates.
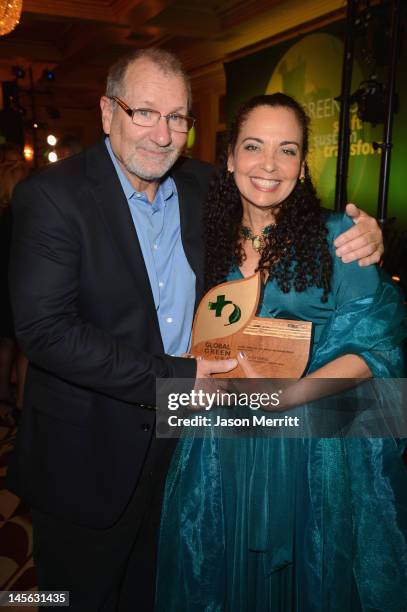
(258, 242)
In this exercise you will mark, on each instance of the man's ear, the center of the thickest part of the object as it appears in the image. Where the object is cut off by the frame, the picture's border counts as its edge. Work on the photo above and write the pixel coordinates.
(107, 113)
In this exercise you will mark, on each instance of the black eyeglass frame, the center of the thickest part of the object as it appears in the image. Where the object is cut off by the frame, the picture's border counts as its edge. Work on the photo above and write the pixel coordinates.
(131, 111)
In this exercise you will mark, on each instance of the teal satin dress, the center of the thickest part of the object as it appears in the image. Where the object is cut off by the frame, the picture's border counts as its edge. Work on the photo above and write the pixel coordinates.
(297, 525)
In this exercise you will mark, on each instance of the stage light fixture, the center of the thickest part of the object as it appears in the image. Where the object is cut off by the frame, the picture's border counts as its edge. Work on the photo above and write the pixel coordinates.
(51, 140)
(370, 99)
(52, 157)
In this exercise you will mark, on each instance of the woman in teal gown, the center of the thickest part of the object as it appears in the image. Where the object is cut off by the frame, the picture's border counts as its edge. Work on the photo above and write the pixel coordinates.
(291, 524)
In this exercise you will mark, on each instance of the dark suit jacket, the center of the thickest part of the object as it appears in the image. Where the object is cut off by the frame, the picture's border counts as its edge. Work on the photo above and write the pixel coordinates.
(85, 317)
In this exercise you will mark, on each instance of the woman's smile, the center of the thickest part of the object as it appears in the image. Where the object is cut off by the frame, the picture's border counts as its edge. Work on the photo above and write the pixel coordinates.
(263, 184)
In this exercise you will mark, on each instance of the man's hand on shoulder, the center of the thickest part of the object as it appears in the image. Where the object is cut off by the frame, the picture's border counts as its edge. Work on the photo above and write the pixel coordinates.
(363, 242)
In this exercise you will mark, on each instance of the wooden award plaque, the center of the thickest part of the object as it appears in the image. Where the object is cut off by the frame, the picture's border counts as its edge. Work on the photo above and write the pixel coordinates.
(225, 323)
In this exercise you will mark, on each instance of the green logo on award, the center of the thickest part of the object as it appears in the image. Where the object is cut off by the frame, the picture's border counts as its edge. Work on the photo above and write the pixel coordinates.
(220, 304)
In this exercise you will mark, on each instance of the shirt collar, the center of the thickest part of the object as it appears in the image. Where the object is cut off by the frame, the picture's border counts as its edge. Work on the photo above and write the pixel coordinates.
(166, 187)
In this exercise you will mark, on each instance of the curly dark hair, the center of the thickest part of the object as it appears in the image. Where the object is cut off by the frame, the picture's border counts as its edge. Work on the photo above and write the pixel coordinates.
(296, 252)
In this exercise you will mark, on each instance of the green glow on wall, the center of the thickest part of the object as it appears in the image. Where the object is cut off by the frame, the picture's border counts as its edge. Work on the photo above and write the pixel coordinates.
(309, 69)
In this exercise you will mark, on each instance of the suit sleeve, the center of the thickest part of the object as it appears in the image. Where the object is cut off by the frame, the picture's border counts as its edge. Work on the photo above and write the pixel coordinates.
(44, 288)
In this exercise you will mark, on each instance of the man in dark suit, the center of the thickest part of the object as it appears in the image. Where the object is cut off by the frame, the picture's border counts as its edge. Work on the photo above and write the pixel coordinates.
(107, 266)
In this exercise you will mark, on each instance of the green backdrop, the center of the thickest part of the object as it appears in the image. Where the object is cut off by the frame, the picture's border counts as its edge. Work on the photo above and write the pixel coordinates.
(309, 68)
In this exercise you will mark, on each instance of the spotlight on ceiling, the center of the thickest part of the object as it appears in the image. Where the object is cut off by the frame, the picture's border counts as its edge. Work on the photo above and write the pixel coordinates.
(48, 75)
(28, 152)
(18, 72)
(36, 125)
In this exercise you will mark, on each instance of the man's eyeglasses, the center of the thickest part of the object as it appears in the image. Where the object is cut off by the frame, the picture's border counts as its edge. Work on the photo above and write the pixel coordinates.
(147, 117)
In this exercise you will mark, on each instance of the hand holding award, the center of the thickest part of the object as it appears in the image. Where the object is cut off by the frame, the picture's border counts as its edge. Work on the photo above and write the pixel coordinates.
(225, 324)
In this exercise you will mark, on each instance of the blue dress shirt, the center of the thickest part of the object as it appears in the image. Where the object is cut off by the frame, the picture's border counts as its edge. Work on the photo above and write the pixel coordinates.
(171, 278)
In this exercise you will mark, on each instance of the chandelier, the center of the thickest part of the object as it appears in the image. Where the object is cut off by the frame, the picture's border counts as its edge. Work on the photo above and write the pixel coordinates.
(10, 11)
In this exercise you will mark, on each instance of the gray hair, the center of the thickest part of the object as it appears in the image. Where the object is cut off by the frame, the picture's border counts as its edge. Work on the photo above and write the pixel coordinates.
(167, 62)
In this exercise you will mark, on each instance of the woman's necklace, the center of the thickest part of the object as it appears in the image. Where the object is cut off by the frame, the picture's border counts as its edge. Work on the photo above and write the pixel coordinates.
(258, 242)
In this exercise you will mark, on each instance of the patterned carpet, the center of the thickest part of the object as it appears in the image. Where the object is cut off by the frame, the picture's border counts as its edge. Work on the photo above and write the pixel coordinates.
(16, 564)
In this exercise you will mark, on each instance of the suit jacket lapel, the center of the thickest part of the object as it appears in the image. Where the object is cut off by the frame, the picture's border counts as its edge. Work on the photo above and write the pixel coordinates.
(190, 205)
(113, 205)
(108, 194)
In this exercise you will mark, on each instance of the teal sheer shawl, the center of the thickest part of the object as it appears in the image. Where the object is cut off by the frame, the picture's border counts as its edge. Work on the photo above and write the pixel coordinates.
(301, 525)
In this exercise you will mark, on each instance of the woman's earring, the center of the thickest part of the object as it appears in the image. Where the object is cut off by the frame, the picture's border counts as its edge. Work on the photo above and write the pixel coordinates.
(302, 180)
